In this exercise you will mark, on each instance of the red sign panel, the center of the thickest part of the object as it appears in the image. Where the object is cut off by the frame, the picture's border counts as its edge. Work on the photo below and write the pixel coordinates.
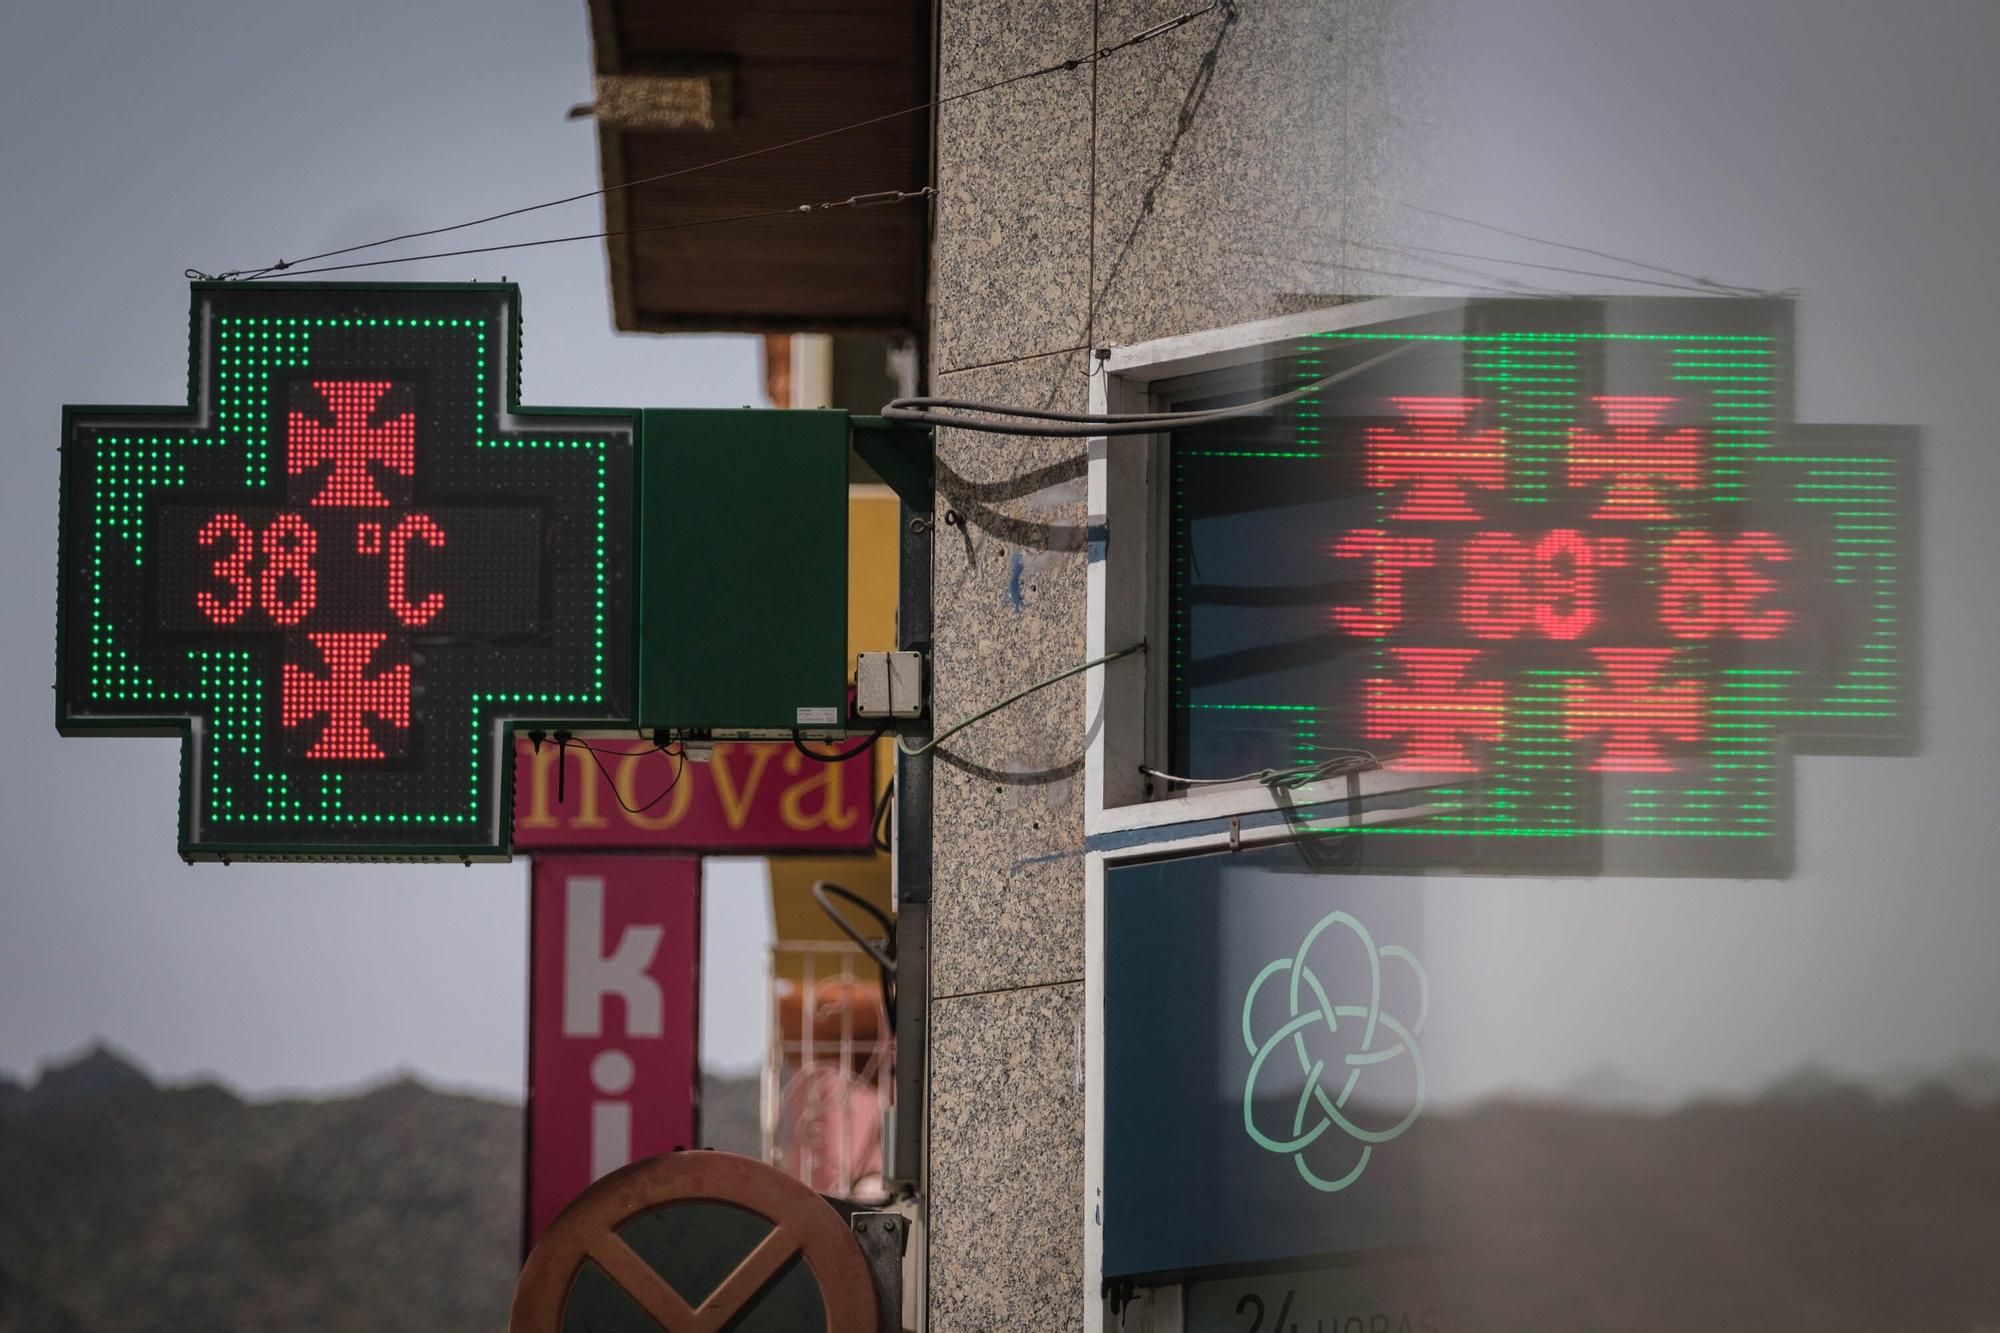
(613, 990)
(750, 797)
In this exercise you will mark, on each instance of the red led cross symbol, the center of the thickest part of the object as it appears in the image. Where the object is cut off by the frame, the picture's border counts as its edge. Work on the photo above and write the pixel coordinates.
(1635, 711)
(1638, 458)
(346, 696)
(351, 443)
(1435, 708)
(1438, 456)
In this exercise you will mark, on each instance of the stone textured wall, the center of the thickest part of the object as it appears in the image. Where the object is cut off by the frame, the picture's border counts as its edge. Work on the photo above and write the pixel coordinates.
(1222, 172)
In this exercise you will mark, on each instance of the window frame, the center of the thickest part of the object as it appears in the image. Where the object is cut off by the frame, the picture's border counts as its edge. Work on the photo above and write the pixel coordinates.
(1125, 701)
(1126, 594)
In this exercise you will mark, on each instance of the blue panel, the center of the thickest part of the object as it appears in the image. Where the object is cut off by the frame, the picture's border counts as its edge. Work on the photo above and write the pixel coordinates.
(1188, 1186)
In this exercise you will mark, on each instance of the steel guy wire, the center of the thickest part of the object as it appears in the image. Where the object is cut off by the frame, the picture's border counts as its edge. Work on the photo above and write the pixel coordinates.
(1708, 290)
(1730, 287)
(877, 199)
(1429, 279)
(1101, 53)
(1504, 283)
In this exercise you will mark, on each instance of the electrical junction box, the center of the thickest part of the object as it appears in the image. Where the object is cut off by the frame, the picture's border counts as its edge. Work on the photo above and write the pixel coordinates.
(742, 573)
(888, 685)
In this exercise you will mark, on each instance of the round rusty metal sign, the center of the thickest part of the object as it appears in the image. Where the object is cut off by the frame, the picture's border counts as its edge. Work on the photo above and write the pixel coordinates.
(696, 1242)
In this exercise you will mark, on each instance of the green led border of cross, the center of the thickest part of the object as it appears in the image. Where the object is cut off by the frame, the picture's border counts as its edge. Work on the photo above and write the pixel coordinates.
(130, 468)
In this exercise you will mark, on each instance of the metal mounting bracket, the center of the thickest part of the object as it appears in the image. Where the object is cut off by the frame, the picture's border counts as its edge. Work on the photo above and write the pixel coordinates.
(903, 456)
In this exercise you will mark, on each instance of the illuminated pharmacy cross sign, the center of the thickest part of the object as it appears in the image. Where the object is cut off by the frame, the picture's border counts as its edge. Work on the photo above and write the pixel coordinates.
(348, 575)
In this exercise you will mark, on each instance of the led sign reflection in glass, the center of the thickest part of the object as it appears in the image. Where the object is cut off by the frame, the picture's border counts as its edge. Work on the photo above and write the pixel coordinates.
(1575, 557)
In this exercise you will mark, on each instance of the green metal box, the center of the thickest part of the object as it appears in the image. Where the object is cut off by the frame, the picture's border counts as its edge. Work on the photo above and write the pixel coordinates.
(742, 599)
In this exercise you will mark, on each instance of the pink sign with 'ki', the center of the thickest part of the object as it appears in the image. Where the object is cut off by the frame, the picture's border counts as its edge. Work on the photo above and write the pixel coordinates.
(613, 1013)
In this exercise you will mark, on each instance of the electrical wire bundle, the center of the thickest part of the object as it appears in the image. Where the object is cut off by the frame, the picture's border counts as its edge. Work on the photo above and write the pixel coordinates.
(998, 419)
(1342, 762)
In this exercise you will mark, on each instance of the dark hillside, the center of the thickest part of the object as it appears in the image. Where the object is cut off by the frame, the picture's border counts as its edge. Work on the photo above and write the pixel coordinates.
(1822, 1205)
(129, 1206)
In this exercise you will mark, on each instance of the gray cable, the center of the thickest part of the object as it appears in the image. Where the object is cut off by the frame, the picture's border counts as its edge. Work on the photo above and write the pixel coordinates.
(926, 411)
(1014, 698)
(881, 956)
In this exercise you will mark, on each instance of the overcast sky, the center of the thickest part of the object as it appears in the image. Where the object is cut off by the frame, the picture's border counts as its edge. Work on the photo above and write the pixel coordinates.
(1842, 149)
(139, 140)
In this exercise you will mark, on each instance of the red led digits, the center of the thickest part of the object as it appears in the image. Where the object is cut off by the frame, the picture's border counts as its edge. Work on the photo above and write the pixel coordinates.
(1693, 601)
(346, 696)
(1634, 711)
(410, 529)
(1552, 586)
(1713, 586)
(285, 585)
(351, 443)
(1438, 456)
(1748, 585)
(1493, 602)
(288, 585)
(1389, 557)
(1436, 708)
(233, 568)
(1566, 563)
(1637, 457)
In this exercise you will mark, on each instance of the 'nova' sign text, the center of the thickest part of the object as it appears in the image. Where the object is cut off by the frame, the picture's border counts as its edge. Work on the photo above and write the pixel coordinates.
(750, 797)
